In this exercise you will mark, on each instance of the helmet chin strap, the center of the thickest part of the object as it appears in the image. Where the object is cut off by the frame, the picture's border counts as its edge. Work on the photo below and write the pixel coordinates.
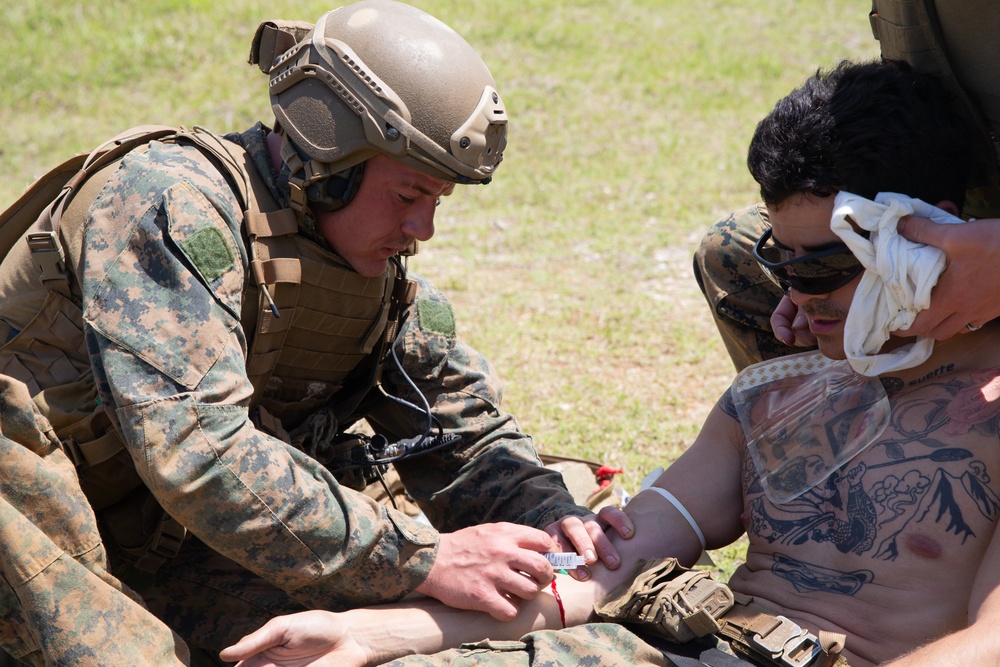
(312, 188)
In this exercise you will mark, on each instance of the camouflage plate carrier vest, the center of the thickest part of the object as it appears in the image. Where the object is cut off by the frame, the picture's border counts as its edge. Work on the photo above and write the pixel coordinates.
(299, 290)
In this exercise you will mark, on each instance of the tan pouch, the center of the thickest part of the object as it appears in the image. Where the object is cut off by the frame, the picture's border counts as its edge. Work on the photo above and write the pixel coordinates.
(668, 600)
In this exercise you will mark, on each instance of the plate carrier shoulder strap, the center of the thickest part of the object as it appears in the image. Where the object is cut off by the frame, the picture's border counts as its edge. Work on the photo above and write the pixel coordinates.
(50, 195)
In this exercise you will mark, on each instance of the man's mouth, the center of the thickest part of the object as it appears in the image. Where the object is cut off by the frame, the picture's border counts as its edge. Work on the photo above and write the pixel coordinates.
(394, 249)
(391, 251)
(821, 325)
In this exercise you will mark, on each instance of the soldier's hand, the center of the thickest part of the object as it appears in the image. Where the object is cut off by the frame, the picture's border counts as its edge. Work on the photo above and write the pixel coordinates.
(490, 568)
(966, 292)
(790, 326)
(307, 639)
(586, 536)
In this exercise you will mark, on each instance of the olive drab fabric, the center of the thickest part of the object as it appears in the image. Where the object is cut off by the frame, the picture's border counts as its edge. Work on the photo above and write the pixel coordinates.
(669, 600)
(956, 40)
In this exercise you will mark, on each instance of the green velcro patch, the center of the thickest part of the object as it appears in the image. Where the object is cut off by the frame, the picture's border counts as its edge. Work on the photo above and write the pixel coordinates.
(436, 317)
(209, 252)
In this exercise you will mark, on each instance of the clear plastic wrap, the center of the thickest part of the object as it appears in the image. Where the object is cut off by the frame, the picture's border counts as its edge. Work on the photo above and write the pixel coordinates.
(805, 416)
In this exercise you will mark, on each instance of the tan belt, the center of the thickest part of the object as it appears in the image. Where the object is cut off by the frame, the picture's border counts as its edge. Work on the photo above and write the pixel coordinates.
(754, 630)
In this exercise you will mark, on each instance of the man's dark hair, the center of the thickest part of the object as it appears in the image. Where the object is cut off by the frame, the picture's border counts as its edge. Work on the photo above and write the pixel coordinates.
(864, 128)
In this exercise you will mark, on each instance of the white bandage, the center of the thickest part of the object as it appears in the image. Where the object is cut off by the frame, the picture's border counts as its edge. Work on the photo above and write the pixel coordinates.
(680, 508)
(897, 282)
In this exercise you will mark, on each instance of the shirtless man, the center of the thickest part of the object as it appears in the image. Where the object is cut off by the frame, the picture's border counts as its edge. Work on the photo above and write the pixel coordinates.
(896, 548)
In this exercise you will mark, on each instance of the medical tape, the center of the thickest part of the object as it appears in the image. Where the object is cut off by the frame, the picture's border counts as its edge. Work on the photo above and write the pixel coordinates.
(791, 366)
(680, 508)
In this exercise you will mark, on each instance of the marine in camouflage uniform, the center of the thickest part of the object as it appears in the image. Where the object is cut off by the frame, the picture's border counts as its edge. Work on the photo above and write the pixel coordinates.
(149, 346)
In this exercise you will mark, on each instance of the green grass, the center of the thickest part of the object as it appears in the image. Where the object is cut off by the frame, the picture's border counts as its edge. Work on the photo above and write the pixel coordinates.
(572, 271)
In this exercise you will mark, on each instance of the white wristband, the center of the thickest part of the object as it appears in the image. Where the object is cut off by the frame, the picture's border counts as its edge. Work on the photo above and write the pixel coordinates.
(680, 508)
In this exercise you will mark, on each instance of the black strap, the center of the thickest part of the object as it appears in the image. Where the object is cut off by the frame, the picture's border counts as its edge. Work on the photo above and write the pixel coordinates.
(698, 653)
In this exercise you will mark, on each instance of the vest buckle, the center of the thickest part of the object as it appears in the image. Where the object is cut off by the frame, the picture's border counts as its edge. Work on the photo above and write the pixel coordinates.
(788, 643)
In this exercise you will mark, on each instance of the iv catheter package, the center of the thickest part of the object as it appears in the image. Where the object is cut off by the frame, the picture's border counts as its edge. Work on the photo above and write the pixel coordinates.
(805, 416)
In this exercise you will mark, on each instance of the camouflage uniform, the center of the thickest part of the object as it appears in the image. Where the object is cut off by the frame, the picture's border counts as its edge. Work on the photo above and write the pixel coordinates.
(740, 297)
(604, 644)
(273, 529)
(55, 588)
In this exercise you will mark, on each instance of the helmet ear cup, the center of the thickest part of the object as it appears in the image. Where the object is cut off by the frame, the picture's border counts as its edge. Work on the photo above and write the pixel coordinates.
(335, 191)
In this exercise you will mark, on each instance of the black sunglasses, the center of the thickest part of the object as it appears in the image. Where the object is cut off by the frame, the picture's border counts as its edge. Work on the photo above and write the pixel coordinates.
(816, 273)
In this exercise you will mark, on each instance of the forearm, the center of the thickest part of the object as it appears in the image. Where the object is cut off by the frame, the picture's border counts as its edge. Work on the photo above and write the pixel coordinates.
(658, 534)
(424, 625)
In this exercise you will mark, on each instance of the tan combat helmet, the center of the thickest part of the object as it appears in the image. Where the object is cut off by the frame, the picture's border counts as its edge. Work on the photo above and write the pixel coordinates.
(381, 76)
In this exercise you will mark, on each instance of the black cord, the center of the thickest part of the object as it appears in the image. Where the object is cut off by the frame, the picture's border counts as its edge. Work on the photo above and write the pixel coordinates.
(385, 486)
(420, 445)
(426, 407)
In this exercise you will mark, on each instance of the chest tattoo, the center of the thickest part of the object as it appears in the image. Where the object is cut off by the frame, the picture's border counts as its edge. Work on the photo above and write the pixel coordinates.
(927, 476)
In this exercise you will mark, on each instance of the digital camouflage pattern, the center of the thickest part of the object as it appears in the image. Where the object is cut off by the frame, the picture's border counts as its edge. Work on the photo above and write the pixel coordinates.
(740, 297)
(58, 603)
(604, 644)
(161, 276)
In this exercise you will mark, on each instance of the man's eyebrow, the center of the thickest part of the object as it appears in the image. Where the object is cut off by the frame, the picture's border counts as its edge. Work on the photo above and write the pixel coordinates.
(444, 192)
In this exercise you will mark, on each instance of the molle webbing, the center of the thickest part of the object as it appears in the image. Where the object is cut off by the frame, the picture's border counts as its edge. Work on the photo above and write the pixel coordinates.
(333, 322)
(276, 273)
